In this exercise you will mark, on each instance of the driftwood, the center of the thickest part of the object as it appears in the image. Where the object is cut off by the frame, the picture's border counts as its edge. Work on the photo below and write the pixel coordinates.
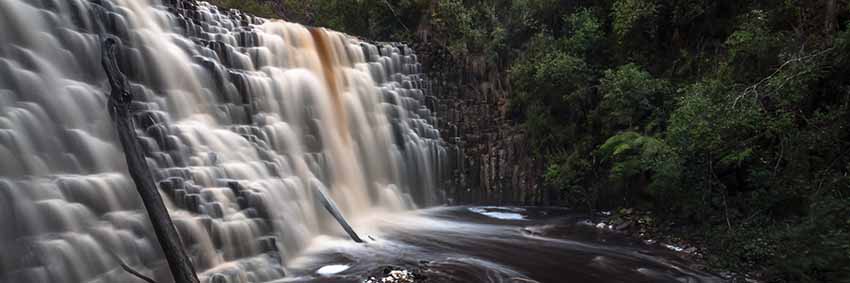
(329, 204)
(135, 273)
(130, 270)
(119, 107)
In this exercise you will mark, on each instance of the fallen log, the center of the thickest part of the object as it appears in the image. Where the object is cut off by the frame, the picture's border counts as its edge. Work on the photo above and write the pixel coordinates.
(330, 205)
(119, 109)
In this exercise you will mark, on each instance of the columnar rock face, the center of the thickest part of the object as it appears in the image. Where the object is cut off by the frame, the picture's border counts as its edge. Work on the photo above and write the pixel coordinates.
(493, 162)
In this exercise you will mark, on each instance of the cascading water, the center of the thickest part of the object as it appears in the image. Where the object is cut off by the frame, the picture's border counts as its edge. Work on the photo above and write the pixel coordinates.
(241, 119)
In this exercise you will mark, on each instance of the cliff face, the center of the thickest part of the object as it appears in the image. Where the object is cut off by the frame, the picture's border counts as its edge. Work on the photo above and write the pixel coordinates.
(493, 162)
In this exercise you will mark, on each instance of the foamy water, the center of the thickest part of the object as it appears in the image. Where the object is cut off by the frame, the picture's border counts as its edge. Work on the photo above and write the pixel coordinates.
(241, 119)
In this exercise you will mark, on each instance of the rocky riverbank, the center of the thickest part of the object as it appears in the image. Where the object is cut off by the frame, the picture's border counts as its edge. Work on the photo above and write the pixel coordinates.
(643, 225)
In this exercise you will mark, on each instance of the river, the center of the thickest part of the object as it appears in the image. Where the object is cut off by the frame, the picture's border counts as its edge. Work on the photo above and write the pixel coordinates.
(492, 244)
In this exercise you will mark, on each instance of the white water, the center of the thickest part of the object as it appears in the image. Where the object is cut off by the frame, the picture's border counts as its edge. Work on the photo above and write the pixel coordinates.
(499, 213)
(332, 269)
(239, 117)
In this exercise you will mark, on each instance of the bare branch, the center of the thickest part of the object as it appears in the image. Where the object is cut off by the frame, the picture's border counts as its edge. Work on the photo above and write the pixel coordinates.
(754, 89)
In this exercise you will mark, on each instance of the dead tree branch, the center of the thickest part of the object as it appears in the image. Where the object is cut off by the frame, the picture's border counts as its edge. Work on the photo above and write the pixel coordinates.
(328, 203)
(119, 108)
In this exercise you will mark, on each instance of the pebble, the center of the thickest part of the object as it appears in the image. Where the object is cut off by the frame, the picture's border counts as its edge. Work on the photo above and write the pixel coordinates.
(395, 276)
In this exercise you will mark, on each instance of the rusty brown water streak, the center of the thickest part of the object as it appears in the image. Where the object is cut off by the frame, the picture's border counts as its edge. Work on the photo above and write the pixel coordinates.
(328, 65)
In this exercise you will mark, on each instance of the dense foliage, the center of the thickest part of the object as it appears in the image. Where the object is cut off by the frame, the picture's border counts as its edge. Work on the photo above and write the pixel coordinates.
(734, 122)
(730, 118)
(374, 19)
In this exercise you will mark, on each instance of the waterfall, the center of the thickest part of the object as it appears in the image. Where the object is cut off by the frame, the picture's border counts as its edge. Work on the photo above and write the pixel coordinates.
(241, 119)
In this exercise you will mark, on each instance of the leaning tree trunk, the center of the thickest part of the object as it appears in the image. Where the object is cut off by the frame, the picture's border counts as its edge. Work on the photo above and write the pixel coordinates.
(330, 205)
(119, 107)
